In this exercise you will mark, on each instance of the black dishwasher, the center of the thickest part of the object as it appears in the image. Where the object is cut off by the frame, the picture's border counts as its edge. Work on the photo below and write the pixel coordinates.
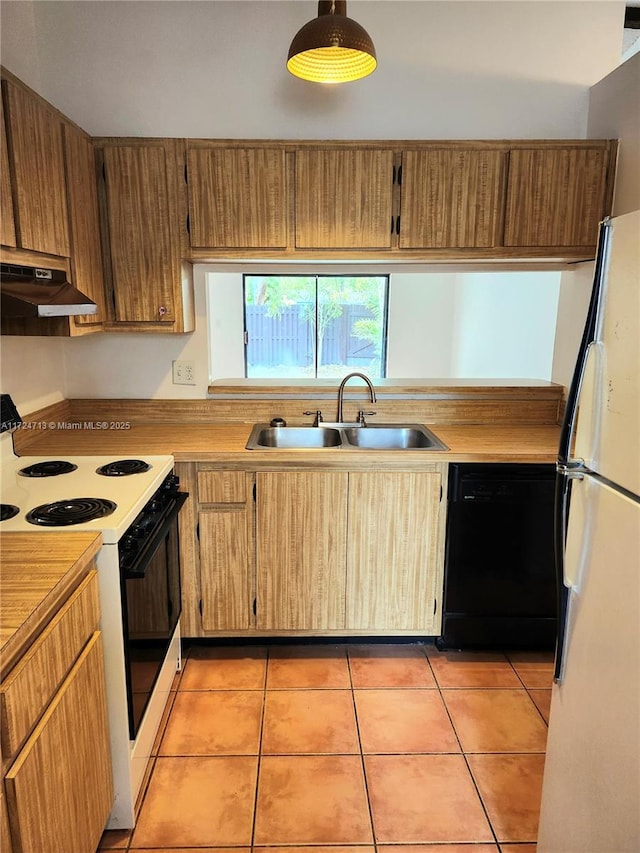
(500, 586)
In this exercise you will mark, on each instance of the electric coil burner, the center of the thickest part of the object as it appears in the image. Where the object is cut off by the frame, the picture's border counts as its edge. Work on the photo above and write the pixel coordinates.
(8, 511)
(123, 467)
(50, 468)
(73, 511)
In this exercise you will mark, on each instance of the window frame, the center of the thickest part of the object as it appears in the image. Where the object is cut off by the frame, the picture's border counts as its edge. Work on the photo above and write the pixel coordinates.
(316, 275)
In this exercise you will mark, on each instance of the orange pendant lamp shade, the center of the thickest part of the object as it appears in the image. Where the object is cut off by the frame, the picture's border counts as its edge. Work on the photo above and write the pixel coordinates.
(332, 48)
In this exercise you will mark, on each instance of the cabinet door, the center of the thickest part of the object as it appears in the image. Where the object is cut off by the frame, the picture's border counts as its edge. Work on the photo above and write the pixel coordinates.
(82, 198)
(226, 568)
(7, 224)
(237, 198)
(555, 196)
(392, 550)
(301, 524)
(343, 199)
(37, 166)
(59, 789)
(451, 198)
(142, 246)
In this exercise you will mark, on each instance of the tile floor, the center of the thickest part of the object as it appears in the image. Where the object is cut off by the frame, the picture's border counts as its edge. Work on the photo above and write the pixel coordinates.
(351, 748)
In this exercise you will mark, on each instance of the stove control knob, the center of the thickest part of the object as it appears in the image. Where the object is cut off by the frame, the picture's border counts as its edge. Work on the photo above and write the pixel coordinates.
(129, 542)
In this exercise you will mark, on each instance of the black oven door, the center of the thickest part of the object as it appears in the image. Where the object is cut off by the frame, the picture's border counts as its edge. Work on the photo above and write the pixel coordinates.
(151, 605)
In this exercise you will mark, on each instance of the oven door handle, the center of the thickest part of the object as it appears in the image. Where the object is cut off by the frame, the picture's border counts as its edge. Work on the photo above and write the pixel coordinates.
(139, 568)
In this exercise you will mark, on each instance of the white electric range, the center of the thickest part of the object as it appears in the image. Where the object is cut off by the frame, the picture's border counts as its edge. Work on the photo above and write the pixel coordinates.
(136, 504)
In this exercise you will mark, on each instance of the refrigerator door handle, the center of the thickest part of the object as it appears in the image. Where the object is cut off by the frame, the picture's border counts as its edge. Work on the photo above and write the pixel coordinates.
(561, 514)
(589, 335)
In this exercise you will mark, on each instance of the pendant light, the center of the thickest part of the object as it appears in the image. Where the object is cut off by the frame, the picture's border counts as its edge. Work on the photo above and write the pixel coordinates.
(332, 48)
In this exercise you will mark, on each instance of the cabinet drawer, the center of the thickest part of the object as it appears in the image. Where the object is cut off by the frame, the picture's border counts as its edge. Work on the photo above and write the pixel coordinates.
(28, 688)
(66, 808)
(217, 487)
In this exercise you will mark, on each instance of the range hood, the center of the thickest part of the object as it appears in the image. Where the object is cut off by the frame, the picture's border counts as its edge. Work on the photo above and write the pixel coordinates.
(36, 292)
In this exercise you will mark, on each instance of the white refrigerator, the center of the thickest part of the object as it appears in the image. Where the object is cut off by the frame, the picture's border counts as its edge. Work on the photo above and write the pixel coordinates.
(591, 787)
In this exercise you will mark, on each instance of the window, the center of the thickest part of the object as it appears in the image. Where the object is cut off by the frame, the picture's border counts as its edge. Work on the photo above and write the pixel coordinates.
(315, 326)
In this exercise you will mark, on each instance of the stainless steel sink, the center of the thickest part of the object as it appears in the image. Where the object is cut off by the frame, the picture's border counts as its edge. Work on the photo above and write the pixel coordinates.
(393, 437)
(344, 437)
(293, 438)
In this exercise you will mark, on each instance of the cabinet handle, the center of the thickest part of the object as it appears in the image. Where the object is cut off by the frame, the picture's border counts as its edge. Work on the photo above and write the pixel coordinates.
(162, 311)
(397, 224)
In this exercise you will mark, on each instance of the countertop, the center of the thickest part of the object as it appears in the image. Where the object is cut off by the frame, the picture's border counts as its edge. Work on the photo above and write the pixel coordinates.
(225, 443)
(39, 572)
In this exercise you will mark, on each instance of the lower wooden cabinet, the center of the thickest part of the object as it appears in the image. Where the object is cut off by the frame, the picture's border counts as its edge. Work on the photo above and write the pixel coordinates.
(393, 551)
(226, 549)
(59, 788)
(58, 783)
(314, 552)
(301, 538)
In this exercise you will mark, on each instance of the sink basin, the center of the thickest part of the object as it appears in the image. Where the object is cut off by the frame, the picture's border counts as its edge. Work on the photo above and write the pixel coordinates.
(293, 438)
(344, 437)
(393, 437)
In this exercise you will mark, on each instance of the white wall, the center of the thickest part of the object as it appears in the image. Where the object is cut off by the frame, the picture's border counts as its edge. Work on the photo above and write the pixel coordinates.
(421, 318)
(505, 325)
(444, 325)
(217, 69)
(33, 371)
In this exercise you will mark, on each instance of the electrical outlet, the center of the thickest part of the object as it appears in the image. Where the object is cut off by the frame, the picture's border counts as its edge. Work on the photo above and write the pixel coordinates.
(184, 373)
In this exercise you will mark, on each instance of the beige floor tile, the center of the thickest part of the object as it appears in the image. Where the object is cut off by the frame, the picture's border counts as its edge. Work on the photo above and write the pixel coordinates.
(534, 668)
(299, 667)
(437, 848)
(198, 802)
(320, 849)
(228, 668)
(390, 666)
(221, 722)
(515, 848)
(511, 788)
(319, 799)
(393, 721)
(472, 669)
(115, 839)
(496, 720)
(542, 700)
(424, 798)
(309, 721)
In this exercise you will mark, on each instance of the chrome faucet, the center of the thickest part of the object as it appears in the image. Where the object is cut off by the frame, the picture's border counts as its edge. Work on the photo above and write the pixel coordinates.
(341, 392)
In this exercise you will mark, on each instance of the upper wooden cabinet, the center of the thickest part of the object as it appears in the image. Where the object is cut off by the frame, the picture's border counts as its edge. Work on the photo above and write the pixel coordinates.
(144, 221)
(82, 197)
(7, 223)
(36, 161)
(451, 198)
(343, 198)
(556, 196)
(49, 204)
(237, 197)
(418, 200)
